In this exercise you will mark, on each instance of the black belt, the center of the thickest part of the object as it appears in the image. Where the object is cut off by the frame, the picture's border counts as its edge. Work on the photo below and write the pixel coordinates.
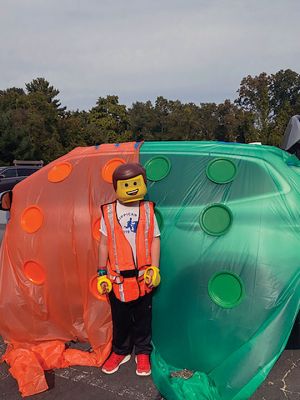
(131, 273)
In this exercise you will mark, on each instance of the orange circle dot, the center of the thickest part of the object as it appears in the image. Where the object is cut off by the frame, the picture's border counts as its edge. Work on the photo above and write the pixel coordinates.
(32, 219)
(34, 272)
(59, 172)
(109, 168)
(94, 290)
(96, 229)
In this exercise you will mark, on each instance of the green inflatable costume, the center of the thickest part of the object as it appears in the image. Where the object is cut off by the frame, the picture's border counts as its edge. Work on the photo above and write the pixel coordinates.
(230, 265)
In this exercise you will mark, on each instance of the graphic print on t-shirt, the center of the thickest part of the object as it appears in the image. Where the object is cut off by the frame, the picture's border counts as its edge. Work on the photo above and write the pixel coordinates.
(129, 222)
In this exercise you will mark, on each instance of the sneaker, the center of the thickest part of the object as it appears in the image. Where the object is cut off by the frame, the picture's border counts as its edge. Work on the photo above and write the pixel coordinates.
(113, 363)
(143, 367)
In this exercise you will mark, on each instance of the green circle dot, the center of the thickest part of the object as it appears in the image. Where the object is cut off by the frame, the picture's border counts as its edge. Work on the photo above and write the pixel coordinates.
(226, 289)
(216, 219)
(221, 170)
(159, 219)
(157, 168)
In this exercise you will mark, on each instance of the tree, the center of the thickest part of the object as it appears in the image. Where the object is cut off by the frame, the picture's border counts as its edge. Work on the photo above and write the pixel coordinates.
(254, 98)
(13, 110)
(42, 86)
(43, 124)
(73, 129)
(29, 126)
(229, 121)
(108, 122)
(143, 121)
(271, 100)
(285, 102)
(285, 91)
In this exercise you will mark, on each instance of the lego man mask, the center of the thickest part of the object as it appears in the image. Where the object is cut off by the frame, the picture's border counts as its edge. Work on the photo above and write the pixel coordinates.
(129, 182)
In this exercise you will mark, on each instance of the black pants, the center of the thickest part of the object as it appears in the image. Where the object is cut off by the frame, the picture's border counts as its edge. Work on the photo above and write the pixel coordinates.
(131, 325)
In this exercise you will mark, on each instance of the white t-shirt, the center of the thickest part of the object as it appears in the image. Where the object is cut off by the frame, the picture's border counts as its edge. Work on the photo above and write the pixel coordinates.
(128, 216)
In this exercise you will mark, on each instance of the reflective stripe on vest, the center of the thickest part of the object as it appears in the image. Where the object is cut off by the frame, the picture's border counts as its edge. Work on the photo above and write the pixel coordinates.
(147, 226)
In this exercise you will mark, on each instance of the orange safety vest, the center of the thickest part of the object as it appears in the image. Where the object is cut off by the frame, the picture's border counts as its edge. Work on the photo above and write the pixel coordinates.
(126, 274)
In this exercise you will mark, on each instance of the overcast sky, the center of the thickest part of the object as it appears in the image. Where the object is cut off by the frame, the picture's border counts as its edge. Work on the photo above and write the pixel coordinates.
(192, 50)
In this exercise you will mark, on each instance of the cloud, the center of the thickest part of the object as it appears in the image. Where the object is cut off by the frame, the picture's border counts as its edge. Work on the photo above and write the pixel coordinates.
(191, 50)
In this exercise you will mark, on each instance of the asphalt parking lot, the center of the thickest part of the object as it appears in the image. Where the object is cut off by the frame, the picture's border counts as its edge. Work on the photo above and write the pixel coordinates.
(77, 383)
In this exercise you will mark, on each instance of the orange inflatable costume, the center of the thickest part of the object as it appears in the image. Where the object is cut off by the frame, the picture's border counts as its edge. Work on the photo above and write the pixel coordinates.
(48, 281)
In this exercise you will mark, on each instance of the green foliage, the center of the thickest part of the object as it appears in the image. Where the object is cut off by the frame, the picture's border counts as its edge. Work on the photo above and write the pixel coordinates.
(40, 85)
(108, 122)
(34, 125)
(29, 126)
(72, 129)
(271, 100)
(172, 120)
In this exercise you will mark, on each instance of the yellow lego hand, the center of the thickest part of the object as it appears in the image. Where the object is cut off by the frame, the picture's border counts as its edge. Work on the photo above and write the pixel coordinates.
(104, 285)
(152, 276)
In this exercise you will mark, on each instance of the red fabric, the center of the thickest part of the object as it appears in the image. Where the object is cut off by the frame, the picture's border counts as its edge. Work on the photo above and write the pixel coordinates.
(27, 370)
(28, 362)
(59, 251)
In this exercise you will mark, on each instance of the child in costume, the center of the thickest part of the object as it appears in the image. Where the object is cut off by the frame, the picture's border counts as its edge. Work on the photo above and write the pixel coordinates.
(128, 267)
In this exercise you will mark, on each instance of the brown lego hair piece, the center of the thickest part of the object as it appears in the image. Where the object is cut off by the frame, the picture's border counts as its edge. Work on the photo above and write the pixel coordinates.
(128, 171)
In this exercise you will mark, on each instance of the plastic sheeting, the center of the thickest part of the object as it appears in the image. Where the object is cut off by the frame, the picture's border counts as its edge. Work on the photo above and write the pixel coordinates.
(229, 216)
(48, 264)
(230, 223)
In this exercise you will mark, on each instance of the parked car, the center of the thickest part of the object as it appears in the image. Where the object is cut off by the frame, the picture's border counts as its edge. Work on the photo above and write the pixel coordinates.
(11, 175)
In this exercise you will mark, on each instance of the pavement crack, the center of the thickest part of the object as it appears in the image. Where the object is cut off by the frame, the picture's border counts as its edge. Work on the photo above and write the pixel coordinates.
(284, 388)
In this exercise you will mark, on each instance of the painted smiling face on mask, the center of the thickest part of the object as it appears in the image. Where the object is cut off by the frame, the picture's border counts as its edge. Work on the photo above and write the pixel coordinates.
(129, 181)
(133, 189)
